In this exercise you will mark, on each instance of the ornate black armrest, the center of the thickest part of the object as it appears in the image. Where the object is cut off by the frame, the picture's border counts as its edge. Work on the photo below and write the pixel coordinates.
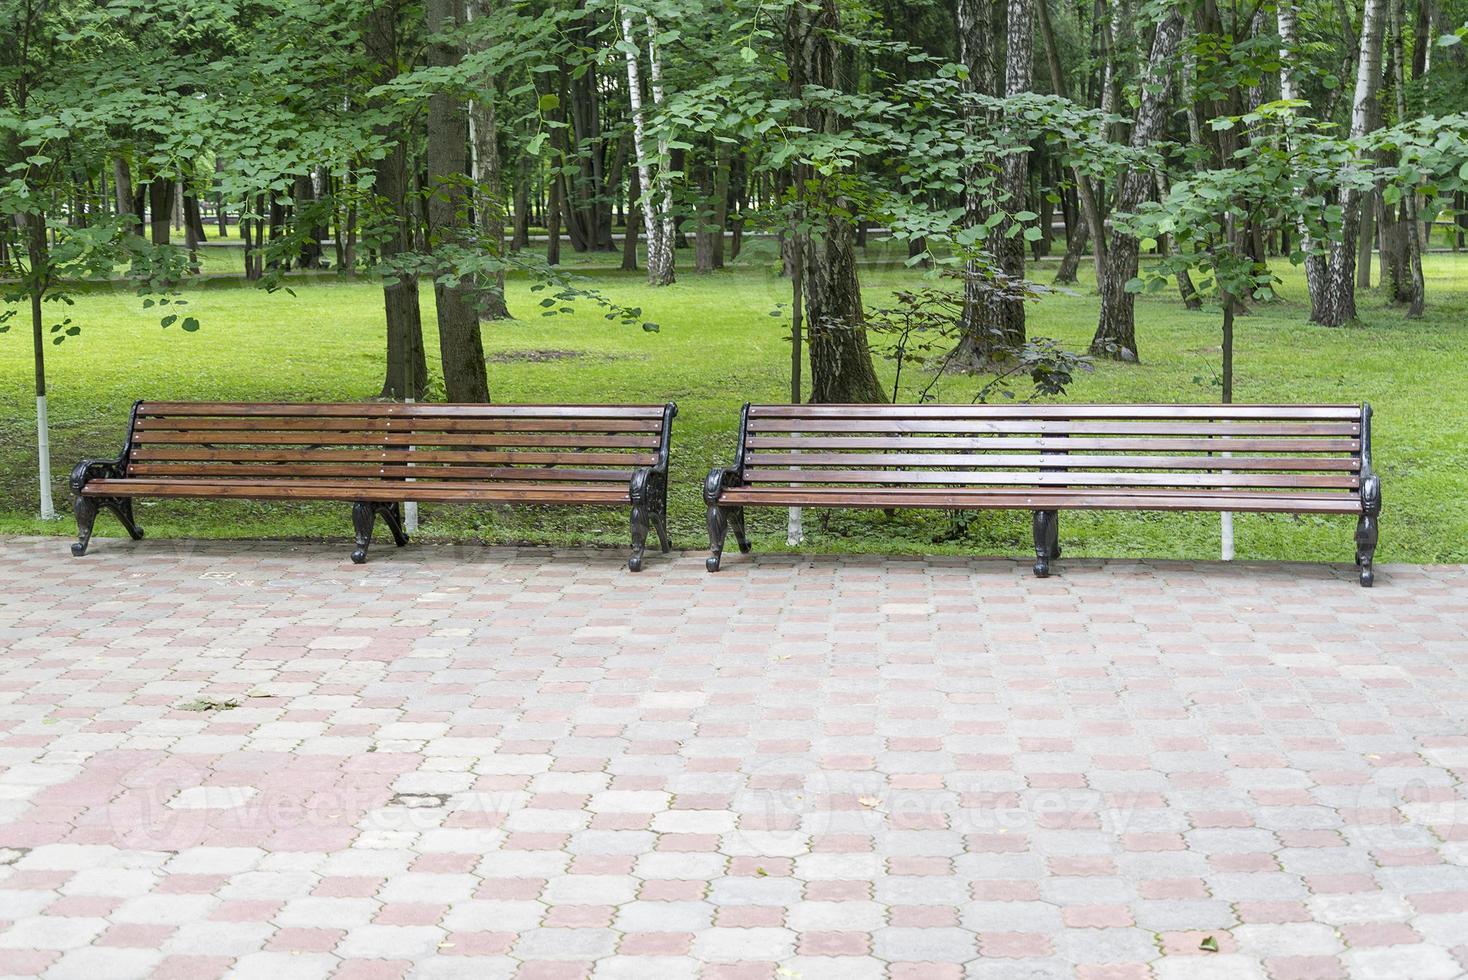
(720, 478)
(1370, 494)
(1370, 482)
(642, 481)
(96, 469)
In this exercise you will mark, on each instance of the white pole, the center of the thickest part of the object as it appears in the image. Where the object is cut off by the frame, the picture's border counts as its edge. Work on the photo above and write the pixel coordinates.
(43, 447)
(794, 533)
(410, 507)
(1226, 529)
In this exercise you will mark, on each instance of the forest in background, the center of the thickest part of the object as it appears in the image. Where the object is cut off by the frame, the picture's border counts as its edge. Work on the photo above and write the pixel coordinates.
(422, 143)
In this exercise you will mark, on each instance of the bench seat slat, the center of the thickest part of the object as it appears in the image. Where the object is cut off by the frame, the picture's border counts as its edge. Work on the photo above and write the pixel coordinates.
(1027, 499)
(1341, 412)
(1050, 478)
(318, 438)
(400, 455)
(1080, 427)
(369, 472)
(947, 443)
(424, 410)
(1003, 460)
(386, 490)
(375, 426)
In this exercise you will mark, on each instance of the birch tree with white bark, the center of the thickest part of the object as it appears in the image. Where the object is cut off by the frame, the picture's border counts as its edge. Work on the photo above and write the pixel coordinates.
(655, 198)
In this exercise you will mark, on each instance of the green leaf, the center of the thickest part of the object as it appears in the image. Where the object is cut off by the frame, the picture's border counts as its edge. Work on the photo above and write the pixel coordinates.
(169, 320)
(190, 324)
(549, 102)
(748, 54)
(1025, 216)
(1033, 234)
(1209, 945)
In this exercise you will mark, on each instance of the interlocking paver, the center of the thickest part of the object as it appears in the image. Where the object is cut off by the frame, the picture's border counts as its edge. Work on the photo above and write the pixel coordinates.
(504, 763)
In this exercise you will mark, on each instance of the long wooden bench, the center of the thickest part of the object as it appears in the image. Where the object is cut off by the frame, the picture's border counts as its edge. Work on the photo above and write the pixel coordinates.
(1295, 459)
(377, 455)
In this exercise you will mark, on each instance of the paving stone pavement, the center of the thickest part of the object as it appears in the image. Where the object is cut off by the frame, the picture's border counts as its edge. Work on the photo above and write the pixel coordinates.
(256, 760)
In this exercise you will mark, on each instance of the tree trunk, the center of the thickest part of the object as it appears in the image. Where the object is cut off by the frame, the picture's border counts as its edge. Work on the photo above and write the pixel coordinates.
(629, 236)
(977, 33)
(1338, 301)
(1085, 191)
(1006, 316)
(192, 215)
(1186, 290)
(721, 202)
(1075, 246)
(122, 185)
(460, 345)
(703, 236)
(406, 375)
(553, 207)
(1409, 287)
(1315, 264)
(305, 197)
(1371, 206)
(160, 208)
(220, 215)
(668, 233)
(520, 238)
(489, 201)
(39, 258)
(741, 198)
(277, 227)
(841, 363)
(193, 230)
(660, 252)
(1116, 330)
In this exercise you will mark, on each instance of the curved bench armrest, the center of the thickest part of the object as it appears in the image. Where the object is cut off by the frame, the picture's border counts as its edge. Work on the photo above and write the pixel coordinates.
(96, 469)
(720, 478)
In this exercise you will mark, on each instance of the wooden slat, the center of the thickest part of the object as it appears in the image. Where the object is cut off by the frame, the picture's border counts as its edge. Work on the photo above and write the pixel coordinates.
(398, 472)
(396, 410)
(1118, 411)
(558, 440)
(1049, 479)
(1185, 500)
(387, 490)
(1050, 427)
(950, 443)
(229, 426)
(401, 455)
(1080, 461)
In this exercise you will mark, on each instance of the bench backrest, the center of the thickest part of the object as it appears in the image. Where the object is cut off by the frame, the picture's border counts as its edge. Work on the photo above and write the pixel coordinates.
(377, 441)
(1096, 448)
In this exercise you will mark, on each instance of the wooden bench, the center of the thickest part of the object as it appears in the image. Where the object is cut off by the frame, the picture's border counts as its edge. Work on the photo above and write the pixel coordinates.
(377, 455)
(1293, 459)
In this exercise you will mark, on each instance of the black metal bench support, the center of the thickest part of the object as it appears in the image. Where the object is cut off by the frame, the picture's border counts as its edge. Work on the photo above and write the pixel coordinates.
(364, 520)
(86, 510)
(1047, 540)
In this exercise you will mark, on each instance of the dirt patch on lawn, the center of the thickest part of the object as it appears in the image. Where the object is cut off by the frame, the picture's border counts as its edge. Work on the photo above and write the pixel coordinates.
(544, 356)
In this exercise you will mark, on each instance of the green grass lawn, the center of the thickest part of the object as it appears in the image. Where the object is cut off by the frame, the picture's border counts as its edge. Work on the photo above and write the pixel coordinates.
(718, 347)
